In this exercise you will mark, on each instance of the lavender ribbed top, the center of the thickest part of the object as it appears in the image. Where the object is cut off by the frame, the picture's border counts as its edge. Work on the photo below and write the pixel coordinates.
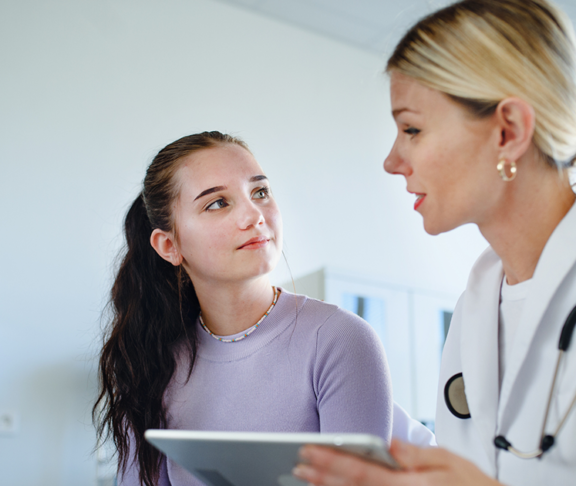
(309, 367)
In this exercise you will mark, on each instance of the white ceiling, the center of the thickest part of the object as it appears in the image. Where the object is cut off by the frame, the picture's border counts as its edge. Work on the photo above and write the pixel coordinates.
(373, 25)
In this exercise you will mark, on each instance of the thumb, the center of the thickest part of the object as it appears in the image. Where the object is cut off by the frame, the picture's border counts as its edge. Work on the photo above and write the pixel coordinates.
(404, 453)
(412, 457)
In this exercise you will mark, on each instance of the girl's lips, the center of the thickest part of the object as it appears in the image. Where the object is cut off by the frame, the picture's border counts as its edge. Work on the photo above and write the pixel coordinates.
(419, 200)
(255, 243)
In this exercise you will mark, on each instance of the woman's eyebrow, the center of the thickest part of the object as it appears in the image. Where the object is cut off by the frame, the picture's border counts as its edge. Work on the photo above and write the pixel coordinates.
(210, 191)
(398, 111)
(258, 178)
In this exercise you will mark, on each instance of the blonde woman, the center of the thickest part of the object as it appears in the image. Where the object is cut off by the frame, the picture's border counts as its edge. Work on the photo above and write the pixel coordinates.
(483, 93)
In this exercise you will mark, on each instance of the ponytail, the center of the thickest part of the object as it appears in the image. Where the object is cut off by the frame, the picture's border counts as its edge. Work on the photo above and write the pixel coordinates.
(154, 307)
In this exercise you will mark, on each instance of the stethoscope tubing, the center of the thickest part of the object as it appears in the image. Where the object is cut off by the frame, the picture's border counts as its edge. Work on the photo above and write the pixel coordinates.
(567, 331)
(565, 416)
(547, 441)
(560, 354)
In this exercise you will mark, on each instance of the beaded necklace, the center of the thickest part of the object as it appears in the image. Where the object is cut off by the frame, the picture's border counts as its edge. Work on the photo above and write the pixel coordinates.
(250, 330)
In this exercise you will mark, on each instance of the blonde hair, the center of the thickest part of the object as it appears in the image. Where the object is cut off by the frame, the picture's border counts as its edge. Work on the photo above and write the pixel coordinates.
(479, 52)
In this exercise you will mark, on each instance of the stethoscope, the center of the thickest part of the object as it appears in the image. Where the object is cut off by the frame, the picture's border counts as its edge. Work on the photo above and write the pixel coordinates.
(455, 398)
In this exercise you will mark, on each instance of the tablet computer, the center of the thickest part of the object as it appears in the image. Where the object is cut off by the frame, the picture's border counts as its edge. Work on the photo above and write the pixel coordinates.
(255, 458)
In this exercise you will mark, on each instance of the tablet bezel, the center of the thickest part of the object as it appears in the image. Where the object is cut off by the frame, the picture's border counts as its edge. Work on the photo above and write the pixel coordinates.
(277, 447)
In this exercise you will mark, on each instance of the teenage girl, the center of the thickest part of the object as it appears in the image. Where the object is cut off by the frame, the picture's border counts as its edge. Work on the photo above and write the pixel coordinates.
(200, 340)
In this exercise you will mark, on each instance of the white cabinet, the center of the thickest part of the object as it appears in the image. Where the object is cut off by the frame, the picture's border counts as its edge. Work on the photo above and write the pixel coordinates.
(410, 322)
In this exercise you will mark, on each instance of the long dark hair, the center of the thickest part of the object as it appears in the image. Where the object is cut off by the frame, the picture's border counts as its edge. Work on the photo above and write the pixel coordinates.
(153, 307)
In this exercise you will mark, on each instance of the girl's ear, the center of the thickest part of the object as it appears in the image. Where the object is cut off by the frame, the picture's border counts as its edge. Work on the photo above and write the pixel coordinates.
(164, 245)
(516, 120)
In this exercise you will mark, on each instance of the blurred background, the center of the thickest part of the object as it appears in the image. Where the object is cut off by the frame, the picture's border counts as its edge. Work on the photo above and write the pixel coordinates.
(91, 90)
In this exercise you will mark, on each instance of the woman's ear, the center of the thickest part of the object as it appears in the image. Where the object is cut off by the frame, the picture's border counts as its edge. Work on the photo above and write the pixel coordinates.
(516, 120)
(164, 245)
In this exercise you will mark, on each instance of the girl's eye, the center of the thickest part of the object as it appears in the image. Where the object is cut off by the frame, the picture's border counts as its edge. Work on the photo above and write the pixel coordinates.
(262, 193)
(412, 131)
(219, 204)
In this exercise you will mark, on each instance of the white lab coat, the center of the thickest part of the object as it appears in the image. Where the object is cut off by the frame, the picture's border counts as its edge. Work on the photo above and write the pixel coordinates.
(517, 410)
(409, 430)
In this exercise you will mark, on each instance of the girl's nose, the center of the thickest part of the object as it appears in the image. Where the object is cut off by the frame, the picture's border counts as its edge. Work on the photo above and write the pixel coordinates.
(250, 216)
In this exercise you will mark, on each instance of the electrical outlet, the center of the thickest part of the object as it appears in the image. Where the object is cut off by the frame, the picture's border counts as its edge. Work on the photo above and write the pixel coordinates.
(8, 423)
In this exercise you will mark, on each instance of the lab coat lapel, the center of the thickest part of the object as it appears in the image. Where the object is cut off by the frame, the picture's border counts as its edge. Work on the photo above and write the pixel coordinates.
(555, 262)
(479, 343)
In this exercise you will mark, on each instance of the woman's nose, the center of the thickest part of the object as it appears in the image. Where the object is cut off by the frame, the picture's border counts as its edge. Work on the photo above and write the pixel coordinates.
(394, 163)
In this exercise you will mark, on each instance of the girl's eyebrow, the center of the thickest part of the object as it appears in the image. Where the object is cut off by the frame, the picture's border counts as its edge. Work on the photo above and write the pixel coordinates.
(210, 191)
(223, 188)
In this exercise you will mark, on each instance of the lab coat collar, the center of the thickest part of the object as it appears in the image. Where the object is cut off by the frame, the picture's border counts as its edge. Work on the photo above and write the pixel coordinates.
(557, 259)
(479, 339)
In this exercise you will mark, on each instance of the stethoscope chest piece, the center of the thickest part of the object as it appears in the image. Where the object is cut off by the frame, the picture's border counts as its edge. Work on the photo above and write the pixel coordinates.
(455, 397)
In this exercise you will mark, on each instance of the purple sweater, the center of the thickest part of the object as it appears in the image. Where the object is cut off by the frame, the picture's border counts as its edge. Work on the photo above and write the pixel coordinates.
(309, 367)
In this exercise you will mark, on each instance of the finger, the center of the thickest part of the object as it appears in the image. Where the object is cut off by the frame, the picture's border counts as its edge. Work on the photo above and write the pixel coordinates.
(413, 458)
(318, 477)
(333, 468)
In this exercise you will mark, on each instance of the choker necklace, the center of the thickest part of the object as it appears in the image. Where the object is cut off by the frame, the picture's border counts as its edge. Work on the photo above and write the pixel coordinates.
(249, 331)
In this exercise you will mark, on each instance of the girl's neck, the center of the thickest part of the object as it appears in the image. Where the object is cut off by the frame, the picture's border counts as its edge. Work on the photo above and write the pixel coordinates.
(530, 212)
(231, 308)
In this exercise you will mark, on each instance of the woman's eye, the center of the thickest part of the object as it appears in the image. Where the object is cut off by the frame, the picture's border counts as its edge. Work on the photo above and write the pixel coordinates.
(412, 131)
(217, 205)
(262, 193)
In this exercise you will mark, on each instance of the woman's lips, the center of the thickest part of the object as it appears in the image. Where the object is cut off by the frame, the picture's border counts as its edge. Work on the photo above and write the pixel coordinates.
(255, 243)
(419, 200)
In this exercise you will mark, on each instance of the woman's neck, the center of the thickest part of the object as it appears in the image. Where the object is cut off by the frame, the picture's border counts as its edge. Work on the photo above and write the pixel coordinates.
(232, 308)
(529, 213)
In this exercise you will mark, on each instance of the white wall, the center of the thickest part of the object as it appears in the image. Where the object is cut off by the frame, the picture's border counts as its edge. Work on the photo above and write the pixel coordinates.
(89, 92)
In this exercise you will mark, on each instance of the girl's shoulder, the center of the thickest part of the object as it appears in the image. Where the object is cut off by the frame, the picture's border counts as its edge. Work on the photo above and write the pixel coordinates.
(325, 317)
